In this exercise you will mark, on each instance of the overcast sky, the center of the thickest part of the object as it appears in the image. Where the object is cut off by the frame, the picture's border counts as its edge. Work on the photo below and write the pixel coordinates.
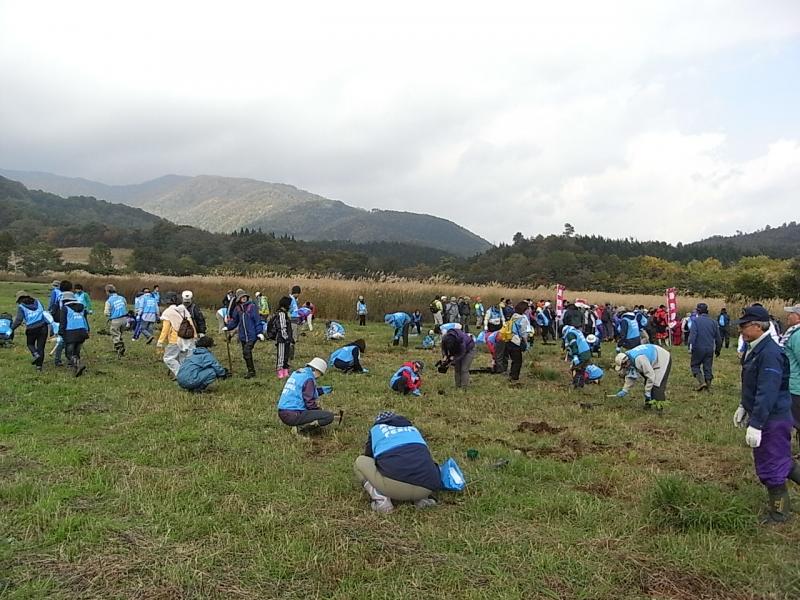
(661, 120)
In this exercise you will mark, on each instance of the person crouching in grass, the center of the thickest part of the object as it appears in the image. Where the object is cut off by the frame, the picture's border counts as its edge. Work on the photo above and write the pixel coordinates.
(201, 368)
(298, 405)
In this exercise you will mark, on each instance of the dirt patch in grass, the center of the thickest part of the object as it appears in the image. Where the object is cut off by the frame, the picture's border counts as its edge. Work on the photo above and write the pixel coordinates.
(539, 427)
(602, 489)
(667, 583)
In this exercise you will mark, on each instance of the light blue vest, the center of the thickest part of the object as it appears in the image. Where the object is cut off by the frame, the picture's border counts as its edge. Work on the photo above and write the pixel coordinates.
(542, 319)
(633, 329)
(399, 374)
(361, 308)
(594, 372)
(387, 437)
(75, 320)
(583, 345)
(33, 316)
(119, 307)
(293, 308)
(292, 394)
(648, 350)
(344, 354)
(149, 305)
(335, 328)
(445, 327)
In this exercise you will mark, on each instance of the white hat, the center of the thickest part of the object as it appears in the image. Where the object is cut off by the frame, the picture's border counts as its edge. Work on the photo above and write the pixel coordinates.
(591, 338)
(319, 364)
(619, 361)
(186, 295)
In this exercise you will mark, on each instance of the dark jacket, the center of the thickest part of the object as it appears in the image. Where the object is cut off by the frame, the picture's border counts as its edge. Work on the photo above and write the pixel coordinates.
(74, 336)
(199, 370)
(410, 463)
(573, 316)
(465, 344)
(765, 383)
(246, 319)
(197, 317)
(704, 336)
(285, 334)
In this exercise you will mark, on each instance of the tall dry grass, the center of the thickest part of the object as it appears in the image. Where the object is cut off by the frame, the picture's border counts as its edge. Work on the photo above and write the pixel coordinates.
(336, 298)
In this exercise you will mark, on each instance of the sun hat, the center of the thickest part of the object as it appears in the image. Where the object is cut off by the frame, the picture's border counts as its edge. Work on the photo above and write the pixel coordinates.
(186, 295)
(591, 338)
(620, 360)
(318, 364)
(792, 309)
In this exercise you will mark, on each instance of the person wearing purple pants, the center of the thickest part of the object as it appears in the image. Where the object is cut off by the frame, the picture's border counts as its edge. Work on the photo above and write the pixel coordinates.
(765, 410)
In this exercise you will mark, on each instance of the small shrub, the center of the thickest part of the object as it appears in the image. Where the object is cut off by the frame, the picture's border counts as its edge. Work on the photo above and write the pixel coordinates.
(677, 503)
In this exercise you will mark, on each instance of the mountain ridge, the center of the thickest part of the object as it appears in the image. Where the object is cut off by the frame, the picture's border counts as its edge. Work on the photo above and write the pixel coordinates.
(226, 204)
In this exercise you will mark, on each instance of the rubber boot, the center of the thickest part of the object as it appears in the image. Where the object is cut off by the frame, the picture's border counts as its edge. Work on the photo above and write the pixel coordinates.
(119, 348)
(708, 386)
(701, 383)
(794, 474)
(380, 503)
(79, 368)
(778, 509)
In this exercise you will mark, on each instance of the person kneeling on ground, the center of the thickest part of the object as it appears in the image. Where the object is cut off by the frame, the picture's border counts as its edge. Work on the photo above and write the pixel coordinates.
(201, 368)
(334, 330)
(6, 333)
(579, 353)
(653, 363)
(347, 358)
(298, 407)
(408, 378)
(593, 374)
(397, 465)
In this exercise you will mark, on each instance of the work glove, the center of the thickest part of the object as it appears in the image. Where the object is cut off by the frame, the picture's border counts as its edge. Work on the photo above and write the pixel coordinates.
(622, 393)
(416, 393)
(261, 337)
(363, 370)
(739, 417)
(326, 389)
(753, 437)
(576, 361)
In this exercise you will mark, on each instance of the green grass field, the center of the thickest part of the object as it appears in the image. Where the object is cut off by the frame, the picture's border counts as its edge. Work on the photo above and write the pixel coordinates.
(118, 485)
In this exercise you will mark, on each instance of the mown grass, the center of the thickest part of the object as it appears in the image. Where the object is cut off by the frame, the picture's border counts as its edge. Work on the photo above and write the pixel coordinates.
(117, 485)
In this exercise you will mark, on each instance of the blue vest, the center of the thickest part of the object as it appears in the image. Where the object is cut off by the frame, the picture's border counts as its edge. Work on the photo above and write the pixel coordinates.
(399, 374)
(75, 320)
(494, 313)
(5, 327)
(542, 319)
(428, 342)
(149, 305)
(138, 302)
(361, 308)
(648, 350)
(33, 316)
(119, 307)
(633, 329)
(594, 372)
(641, 318)
(293, 308)
(344, 354)
(292, 394)
(335, 328)
(583, 345)
(723, 320)
(388, 437)
(156, 296)
(445, 327)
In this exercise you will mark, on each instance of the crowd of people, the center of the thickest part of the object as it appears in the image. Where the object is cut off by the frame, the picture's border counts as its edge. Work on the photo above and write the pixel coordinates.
(396, 464)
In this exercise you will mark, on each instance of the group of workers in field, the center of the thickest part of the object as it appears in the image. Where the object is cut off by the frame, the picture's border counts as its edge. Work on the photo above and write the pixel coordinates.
(396, 464)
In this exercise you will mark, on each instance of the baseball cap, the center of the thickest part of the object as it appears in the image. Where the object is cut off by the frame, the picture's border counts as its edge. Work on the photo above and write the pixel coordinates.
(793, 309)
(752, 313)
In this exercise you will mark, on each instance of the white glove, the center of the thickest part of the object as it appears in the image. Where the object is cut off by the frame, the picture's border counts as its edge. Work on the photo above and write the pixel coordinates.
(739, 416)
(261, 337)
(753, 437)
(199, 335)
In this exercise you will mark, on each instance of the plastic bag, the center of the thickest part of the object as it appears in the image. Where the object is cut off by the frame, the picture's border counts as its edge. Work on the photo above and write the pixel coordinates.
(452, 477)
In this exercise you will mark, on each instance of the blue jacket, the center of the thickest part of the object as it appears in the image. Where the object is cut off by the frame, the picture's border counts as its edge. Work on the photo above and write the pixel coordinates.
(397, 320)
(246, 319)
(704, 335)
(765, 384)
(401, 453)
(199, 370)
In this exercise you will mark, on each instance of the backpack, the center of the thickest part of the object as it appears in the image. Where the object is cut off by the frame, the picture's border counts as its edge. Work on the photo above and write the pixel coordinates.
(186, 330)
(433, 307)
(506, 331)
(272, 328)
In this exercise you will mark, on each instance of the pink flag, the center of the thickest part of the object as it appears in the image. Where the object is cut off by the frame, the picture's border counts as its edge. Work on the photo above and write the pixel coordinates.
(560, 300)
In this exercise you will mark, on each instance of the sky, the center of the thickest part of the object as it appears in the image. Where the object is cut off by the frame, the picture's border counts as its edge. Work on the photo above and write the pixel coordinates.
(656, 120)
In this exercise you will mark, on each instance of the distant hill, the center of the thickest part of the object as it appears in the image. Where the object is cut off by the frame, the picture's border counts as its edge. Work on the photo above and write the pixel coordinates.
(75, 221)
(778, 242)
(227, 204)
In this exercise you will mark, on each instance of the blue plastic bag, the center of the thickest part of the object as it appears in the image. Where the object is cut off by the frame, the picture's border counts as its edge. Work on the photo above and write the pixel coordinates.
(452, 477)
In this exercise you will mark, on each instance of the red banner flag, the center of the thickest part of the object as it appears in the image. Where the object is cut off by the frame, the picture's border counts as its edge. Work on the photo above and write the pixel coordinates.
(672, 307)
(560, 300)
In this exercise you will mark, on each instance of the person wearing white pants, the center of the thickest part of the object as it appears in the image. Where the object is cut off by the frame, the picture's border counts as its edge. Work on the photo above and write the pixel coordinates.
(176, 348)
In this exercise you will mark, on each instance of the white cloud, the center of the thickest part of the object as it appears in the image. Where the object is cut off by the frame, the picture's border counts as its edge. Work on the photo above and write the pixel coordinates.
(533, 113)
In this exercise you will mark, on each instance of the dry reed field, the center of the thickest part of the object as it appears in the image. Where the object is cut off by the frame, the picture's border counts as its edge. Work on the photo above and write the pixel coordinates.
(336, 297)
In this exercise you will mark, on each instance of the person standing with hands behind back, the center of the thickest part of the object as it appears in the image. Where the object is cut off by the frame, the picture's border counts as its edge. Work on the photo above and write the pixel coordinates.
(361, 311)
(765, 410)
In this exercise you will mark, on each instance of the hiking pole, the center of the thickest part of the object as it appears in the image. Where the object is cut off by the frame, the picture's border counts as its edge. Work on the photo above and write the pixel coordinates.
(341, 416)
(228, 346)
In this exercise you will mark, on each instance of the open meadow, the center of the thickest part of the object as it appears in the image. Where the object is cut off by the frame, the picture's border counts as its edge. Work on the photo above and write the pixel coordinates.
(119, 485)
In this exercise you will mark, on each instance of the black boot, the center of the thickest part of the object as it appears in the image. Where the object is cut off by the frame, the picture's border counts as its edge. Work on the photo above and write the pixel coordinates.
(778, 509)
(794, 474)
(708, 386)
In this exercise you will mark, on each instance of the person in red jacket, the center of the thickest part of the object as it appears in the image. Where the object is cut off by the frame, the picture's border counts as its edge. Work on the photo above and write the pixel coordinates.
(408, 378)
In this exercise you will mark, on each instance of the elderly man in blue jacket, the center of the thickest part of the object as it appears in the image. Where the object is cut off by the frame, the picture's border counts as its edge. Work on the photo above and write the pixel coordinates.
(705, 341)
(402, 323)
(765, 410)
